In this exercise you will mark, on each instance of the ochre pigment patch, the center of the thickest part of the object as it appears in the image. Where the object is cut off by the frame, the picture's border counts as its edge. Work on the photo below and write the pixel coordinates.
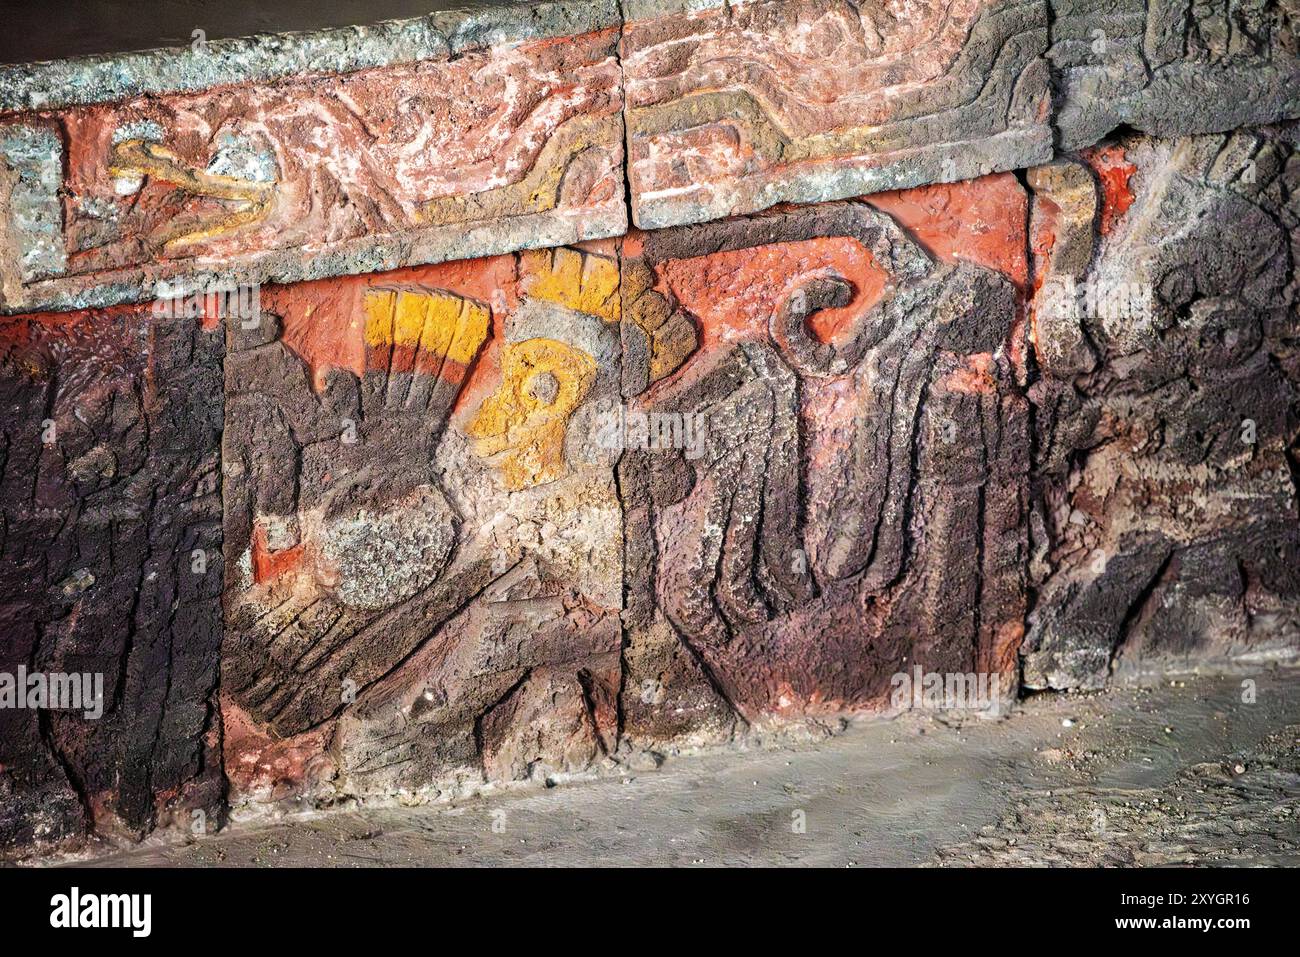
(424, 331)
(569, 277)
(324, 322)
(524, 420)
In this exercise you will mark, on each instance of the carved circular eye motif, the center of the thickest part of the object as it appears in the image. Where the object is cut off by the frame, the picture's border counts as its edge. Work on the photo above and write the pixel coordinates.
(544, 387)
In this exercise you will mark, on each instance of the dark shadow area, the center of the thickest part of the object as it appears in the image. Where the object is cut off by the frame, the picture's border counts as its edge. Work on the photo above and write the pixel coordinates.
(35, 30)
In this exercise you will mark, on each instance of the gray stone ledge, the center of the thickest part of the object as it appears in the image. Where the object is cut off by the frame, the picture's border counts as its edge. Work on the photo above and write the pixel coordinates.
(268, 57)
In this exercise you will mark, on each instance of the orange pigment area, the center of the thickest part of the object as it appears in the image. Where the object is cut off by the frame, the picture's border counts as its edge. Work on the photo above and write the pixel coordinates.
(257, 758)
(734, 294)
(23, 328)
(269, 565)
(974, 376)
(981, 221)
(1113, 173)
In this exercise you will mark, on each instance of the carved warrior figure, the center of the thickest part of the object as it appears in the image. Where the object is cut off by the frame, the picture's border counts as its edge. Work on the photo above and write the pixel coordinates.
(335, 519)
(110, 564)
(390, 561)
(857, 502)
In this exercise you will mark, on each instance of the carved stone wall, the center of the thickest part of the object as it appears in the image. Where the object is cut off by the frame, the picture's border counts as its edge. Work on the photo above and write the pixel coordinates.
(317, 176)
(627, 378)
(422, 533)
(1165, 506)
(110, 564)
(836, 523)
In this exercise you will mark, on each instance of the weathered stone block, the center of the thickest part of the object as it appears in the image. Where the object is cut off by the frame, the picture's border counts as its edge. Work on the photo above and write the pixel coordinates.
(422, 528)
(1165, 507)
(110, 566)
(732, 108)
(852, 501)
(513, 146)
(449, 29)
(1172, 67)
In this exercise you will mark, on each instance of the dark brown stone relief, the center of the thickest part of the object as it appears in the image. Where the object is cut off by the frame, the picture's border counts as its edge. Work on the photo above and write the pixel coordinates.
(110, 567)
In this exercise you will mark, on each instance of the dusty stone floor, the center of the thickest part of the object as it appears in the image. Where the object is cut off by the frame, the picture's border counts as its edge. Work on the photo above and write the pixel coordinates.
(1180, 773)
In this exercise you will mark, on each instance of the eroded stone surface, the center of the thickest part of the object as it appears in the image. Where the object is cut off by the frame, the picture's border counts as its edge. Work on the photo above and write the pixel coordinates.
(855, 503)
(110, 565)
(422, 531)
(1165, 508)
(737, 107)
(515, 146)
(448, 28)
(1172, 67)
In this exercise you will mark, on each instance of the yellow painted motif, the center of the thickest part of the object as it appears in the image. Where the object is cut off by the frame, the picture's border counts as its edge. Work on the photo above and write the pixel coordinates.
(440, 323)
(543, 187)
(543, 381)
(250, 200)
(574, 279)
